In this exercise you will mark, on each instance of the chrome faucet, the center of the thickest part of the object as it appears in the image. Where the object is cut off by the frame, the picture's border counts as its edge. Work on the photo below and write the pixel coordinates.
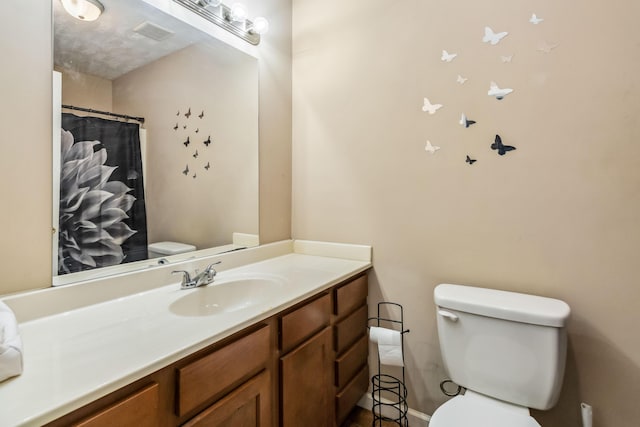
(201, 279)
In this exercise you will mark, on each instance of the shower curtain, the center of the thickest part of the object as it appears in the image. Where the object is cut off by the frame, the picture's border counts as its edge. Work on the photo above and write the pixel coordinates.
(102, 209)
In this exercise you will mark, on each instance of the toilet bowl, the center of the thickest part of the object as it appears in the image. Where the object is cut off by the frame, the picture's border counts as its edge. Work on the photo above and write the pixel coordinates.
(506, 349)
(161, 249)
(476, 410)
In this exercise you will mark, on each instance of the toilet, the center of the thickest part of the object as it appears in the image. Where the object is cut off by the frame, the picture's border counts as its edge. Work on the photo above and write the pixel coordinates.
(162, 249)
(506, 349)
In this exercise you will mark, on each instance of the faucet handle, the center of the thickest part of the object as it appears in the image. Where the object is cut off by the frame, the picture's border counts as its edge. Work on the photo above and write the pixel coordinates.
(210, 272)
(210, 266)
(186, 279)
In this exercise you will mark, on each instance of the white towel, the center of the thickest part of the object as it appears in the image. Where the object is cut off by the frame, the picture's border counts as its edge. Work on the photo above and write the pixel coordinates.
(10, 344)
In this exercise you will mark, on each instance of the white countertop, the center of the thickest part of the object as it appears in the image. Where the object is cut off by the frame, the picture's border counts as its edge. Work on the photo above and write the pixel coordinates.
(74, 356)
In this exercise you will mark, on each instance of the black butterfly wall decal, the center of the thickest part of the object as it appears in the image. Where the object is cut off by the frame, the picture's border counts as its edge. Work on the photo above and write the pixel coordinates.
(184, 127)
(195, 155)
(470, 160)
(175, 127)
(201, 115)
(194, 176)
(207, 166)
(207, 141)
(197, 130)
(186, 170)
(187, 142)
(188, 113)
(178, 113)
(502, 149)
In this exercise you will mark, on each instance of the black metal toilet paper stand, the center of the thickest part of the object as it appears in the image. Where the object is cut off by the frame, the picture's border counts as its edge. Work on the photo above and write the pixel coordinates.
(389, 393)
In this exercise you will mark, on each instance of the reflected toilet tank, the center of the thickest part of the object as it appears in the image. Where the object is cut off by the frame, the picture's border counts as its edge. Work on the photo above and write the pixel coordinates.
(505, 345)
(161, 249)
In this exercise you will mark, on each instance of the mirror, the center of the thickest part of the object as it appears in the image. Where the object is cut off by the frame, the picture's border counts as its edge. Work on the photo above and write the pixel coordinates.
(168, 151)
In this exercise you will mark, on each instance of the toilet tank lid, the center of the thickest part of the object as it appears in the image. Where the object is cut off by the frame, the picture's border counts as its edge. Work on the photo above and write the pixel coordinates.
(505, 305)
(171, 248)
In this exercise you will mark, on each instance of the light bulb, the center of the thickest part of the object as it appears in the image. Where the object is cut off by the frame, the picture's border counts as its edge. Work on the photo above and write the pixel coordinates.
(84, 10)
(238, 12)
(260, 25)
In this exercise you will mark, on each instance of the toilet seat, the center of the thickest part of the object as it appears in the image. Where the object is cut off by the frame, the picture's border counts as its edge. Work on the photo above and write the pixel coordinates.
(476, 410)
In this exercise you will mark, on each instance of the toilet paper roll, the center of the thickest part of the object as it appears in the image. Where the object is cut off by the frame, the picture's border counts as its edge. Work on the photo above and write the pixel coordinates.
(389, 345)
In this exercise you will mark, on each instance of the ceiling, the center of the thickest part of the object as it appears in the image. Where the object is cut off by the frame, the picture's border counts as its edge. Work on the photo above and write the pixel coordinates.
(109, 47)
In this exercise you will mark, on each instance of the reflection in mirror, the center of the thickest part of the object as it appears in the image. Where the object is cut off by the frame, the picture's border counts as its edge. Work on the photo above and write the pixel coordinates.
(156, 153)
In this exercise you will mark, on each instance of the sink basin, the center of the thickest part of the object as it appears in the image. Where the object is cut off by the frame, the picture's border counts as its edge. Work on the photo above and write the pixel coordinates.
(228, 296)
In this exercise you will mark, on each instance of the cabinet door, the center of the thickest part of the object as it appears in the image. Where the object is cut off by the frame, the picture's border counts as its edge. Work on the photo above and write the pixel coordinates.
(247, 406)
(306, 384)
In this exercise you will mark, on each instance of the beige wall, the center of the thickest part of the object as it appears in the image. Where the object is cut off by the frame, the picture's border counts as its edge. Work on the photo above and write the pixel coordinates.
(85, 90)
(560, 216)
(25, 160)
(206, 210)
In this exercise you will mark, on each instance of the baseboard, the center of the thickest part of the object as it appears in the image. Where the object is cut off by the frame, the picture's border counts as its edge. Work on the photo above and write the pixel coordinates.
(415, 418)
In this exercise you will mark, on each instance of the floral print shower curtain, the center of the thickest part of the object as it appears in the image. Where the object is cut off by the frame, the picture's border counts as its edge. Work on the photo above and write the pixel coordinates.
(102, 209)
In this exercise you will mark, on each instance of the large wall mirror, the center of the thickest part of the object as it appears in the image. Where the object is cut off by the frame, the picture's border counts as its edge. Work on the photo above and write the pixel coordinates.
(166, 161)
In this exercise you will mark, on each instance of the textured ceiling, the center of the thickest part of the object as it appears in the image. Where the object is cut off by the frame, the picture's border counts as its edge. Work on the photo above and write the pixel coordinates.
(109, 47)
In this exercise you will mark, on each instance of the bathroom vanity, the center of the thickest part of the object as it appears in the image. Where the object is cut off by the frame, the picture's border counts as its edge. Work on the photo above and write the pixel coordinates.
(293, 355)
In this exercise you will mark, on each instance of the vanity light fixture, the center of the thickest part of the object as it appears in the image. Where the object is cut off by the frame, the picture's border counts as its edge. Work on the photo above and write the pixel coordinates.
(84, 10)
(233, 19)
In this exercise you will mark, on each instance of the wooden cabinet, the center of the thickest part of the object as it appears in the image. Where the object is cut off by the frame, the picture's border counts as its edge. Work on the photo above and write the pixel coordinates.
(305, 366)
(321, 381)
(351, 345)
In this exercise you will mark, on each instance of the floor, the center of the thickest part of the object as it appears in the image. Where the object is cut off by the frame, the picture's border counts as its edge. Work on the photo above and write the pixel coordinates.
(360, 417)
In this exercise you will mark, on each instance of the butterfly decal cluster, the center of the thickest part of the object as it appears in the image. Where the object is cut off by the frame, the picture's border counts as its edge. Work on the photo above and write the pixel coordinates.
(188, 124)
(492, 38)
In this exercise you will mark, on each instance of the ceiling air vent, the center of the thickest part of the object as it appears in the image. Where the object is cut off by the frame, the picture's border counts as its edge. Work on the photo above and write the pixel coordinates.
(153, 31)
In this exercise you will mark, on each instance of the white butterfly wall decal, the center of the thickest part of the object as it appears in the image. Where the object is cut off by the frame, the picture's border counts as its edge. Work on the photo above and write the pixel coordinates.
(461, 79)
(506, 58)
(430, 148)
(547, 47)
(448, 57)
(499, 93)
(491, 37)
(464, 121)
(535, 20)
(430, 108)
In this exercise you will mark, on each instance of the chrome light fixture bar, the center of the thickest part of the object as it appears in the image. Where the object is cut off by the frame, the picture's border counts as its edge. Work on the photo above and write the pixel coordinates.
(232, 19)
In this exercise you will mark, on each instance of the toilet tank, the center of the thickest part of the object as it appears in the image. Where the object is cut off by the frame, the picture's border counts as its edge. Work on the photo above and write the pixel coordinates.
(506, 345)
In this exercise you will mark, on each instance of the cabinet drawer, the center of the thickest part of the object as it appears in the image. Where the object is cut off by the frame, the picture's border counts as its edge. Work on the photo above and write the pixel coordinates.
(350, 296)
(248, 405)
(137, 410)
(350, 329)
(349, 397)
(302, 323)
(351, 361)
(214, 374)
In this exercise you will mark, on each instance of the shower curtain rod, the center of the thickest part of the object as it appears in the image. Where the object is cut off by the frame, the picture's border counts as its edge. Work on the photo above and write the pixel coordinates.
(106, 113)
